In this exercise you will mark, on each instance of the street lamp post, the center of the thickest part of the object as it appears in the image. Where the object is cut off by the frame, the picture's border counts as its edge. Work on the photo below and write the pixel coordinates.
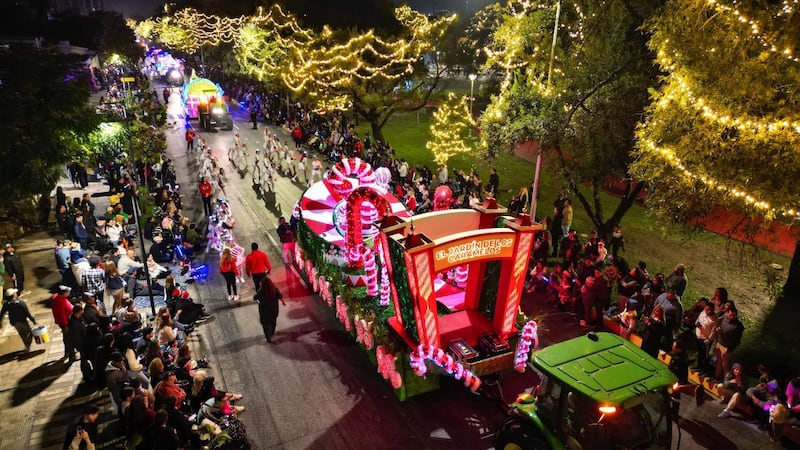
(136, 216)
(472, 78)
(535, 193)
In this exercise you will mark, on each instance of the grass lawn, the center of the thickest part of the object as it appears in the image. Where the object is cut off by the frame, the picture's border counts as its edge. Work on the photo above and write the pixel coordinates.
(712, 261)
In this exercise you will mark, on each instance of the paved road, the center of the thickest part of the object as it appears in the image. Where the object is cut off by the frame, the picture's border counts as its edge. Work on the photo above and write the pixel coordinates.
(313, 388)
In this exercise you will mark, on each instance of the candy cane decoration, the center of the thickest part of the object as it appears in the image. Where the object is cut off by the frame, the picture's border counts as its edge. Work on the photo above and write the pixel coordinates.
(385, 288)
(371, 270)
(528, 339)
(340, 178)
(445, 362)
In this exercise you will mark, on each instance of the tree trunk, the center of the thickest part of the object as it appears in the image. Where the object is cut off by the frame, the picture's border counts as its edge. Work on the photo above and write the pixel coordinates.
(792, 286)
(604, 227)
(377, 128)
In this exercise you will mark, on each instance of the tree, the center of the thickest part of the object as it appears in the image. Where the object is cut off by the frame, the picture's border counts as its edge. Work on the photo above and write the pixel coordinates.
(464, 43)
(723, 130)
(447, 129)
(44, 121)
(582, 104)
(374, 76)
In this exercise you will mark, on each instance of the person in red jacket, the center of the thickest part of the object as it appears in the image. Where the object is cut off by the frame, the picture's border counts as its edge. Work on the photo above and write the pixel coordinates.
(205, 194)
(297, 135)
(229, 271)
(257, 265)
(62, 310)
(190, 136)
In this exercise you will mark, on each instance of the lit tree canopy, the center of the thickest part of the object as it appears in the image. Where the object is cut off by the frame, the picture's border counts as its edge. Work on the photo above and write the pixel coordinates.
(724, 129)
(377, 76)
(583, 107)
(336, 69)
(449, 124)
(263, 46)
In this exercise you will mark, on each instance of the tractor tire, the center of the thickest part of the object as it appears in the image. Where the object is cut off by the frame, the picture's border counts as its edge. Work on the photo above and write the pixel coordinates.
(228, 123)
(516, 434)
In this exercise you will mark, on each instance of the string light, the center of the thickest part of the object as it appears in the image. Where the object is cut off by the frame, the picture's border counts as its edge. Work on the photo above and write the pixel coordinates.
(447, 129)
(680, 87)
(334, 69)
(753, 200)
(787, 9)
(678, 97)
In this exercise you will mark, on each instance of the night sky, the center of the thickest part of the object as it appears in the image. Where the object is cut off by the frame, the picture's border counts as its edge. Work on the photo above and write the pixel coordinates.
(146, 8)
(143, 8)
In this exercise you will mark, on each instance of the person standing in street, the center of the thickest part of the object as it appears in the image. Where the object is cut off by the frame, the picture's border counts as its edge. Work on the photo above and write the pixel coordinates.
(18, 315)
(62, 310)
(190, 136)
(14, 268)
(254, 116)
(268, 297)
(229, 271)
(287, 237)
(257, 265)
(205, 193)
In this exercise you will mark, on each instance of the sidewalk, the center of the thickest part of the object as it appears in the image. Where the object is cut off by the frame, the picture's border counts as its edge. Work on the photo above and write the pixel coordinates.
(41, 395)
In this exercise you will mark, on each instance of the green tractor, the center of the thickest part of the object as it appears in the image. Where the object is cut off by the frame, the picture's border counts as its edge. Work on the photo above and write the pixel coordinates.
(597, 391)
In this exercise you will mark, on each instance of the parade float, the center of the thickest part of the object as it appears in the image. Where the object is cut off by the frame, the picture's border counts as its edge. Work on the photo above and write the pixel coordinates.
(429, 295)
(203, 100)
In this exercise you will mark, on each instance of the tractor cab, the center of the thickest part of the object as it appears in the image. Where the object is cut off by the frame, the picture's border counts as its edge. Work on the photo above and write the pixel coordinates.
(597, 391)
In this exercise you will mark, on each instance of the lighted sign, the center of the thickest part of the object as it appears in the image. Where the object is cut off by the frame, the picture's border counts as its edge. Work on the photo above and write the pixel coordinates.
(471, 249)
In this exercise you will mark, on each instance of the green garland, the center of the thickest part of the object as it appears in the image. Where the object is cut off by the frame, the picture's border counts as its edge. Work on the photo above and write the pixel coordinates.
(406, 303)
(358, 302)
(488, 299)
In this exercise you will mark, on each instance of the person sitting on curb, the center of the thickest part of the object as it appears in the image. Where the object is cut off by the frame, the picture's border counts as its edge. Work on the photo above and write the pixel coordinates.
(732, 389)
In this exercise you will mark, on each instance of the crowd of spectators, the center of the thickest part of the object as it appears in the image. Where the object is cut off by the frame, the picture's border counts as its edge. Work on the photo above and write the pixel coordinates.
(592, 281)
(159, 391)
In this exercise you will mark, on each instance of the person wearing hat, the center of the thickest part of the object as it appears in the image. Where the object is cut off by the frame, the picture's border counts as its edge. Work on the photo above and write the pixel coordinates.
(14, 268)
(187, 311)
(62, 309)
(18, 315)
(732, 388)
